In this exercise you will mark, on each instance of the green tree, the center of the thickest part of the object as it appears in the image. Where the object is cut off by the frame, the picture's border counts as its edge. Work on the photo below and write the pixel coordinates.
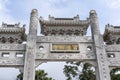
(72, 71)
(20, 76)
(39, 75)
(87, 73)
(115, 74)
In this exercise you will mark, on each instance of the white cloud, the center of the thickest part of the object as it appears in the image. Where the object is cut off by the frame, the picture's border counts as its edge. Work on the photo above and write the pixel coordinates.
(57, 1)
(58, 8)
(113, 3)
(4, 12)
(2, 5)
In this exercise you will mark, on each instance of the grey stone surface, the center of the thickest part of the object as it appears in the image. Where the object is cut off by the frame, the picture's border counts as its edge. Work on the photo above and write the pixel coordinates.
(29, 64)
(99, 49)
(64, 40)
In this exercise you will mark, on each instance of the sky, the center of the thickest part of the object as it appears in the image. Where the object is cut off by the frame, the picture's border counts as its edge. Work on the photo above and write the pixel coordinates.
(14, 11)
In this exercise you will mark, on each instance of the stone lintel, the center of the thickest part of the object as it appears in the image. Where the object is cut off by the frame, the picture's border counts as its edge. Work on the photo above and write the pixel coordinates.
(112, 48)
(11, 62)
(46, 39)
(12, 47)
(113, 62)
(65, 56)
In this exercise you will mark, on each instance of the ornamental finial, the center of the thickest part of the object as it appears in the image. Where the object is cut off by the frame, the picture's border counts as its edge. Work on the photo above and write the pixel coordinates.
(34, 10)
(92, 12)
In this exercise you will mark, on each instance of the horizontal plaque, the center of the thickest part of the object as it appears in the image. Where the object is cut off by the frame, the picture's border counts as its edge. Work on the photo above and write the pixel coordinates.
(65, 48)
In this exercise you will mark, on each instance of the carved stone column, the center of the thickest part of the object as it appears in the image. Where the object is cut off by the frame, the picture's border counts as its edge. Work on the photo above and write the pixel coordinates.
(102, 64)
(29, 65)
(96, 73)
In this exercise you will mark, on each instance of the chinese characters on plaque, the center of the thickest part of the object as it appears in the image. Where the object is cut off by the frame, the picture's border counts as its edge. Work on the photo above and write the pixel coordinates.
(65, 47)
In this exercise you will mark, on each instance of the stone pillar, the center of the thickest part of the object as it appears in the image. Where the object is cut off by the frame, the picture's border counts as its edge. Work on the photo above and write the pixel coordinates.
(96, 73)
(94, 22)
(33, 22)
(101, 57)
(29, 65)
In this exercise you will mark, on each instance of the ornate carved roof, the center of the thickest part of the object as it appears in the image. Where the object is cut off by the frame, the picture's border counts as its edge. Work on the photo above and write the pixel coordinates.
(64, 25)
(110, 29)
(75, 21)
(12, 28)
(11, 33)
(111, 34)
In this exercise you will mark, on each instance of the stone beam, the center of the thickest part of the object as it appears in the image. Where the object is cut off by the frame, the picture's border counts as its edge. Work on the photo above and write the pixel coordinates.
(14, 62)
(46, 39)
(114, 62)
(12, 47)
(65, 56)
(112, 48)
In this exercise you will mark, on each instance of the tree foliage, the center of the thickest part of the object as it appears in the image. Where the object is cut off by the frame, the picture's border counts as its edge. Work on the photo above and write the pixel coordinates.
(115, 74)
(72, 71)
(87, 73)
(39, 75)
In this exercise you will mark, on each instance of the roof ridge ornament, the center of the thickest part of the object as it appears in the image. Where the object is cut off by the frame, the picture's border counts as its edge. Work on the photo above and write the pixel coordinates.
(76, 17)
